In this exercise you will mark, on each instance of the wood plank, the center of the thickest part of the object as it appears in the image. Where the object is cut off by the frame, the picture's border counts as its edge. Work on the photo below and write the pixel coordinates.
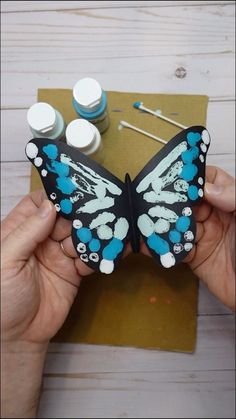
(126, 49)
(220, 123)
(139, 395)
(209, 305)
(215, 351)
(16, 6)
(15, 178)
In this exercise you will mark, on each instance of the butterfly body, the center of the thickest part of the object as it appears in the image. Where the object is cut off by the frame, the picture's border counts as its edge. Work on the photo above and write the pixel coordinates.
(134, 232)
(107, 213)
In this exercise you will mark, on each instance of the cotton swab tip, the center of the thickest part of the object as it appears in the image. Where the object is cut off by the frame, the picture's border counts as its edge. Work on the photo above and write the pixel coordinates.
(123, 124)
(137, 105)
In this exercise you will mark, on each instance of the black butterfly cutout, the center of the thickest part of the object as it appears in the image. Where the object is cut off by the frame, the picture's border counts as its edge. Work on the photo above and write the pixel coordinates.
(106, 213)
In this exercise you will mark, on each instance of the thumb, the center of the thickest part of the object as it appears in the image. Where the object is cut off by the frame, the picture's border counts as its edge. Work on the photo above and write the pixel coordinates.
(221, 197)
(21, 242)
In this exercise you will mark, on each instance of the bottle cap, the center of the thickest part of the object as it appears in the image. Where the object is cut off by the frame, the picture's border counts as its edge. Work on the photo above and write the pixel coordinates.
(88, 94)
(41, 117)
(83, 135)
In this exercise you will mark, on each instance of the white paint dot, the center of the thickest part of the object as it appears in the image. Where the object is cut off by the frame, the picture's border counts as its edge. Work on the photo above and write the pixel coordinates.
(53, 196)
(200, 181)
(205, 136)
(161, 226)
(121, 228)
(84, 257)
(77, 224)
(38, 161)
(178, 247)
(94, 257)
(58, 208)
(104, 232)
(106, 266)
(188, 235)
(44, 173)
(187, 211)
(81, 248)
(31, 150)
(167, 260)
(145, 225)
(200, 192)
(201, 158)
(203, 147)
(188, 247)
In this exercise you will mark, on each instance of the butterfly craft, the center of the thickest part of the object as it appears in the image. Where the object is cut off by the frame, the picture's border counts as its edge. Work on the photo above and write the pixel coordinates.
(106, 213)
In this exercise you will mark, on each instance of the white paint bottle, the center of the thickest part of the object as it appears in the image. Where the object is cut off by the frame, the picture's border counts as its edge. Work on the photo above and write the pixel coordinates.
(90, 102)
(84, 136)
(45, 121)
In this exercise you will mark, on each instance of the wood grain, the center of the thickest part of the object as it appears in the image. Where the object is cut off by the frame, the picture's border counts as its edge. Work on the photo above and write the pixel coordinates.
(16, 6)
(135, 49)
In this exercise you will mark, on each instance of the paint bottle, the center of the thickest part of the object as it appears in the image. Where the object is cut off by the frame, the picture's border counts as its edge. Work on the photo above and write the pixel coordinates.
(45, 121)
(85, 136)
(90, 102)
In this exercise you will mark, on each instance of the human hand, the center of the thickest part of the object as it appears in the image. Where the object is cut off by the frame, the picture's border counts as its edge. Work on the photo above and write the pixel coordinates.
(212, 257)
(39, 282)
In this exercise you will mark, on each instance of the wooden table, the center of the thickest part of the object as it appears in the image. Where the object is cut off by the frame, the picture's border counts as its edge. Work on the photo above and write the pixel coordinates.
(145, 46)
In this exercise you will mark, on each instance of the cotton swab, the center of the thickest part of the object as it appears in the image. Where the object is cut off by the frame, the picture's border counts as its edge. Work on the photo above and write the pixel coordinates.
(139, 105)
(127, 125)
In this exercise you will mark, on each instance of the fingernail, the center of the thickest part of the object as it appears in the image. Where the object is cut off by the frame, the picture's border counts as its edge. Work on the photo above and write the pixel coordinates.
(213, 189)
(44, 209)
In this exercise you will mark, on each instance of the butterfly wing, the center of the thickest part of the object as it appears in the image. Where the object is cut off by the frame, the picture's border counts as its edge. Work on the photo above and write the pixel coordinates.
(88, 195)
(165, 191)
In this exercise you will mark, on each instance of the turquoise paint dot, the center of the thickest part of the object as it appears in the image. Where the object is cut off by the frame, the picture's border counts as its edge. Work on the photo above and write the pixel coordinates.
(66, 206)
(65, 185)
(94, 245)
(189, 155)
(51, 151)
(193, 138)
(111, 251)
(195, 152)
(188, 171)
(182, 224)
(61, 169)
(84, 234)
(193, 192)
(160, 246)
(174, 236)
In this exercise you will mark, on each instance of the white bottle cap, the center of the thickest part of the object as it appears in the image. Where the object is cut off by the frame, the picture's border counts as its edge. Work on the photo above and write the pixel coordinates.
(41, 117)
(83, 135)
(88, 93)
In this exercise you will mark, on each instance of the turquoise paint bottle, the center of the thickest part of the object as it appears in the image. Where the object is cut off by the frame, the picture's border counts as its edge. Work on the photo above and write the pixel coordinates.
(90, 103)
(46, 122)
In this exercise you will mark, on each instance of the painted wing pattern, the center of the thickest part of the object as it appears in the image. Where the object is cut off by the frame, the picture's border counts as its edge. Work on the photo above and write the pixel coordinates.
(166, 189)
(97, 202)
(88, 195)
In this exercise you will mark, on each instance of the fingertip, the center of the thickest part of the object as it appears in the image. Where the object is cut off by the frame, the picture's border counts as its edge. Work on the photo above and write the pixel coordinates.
(211, 189)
